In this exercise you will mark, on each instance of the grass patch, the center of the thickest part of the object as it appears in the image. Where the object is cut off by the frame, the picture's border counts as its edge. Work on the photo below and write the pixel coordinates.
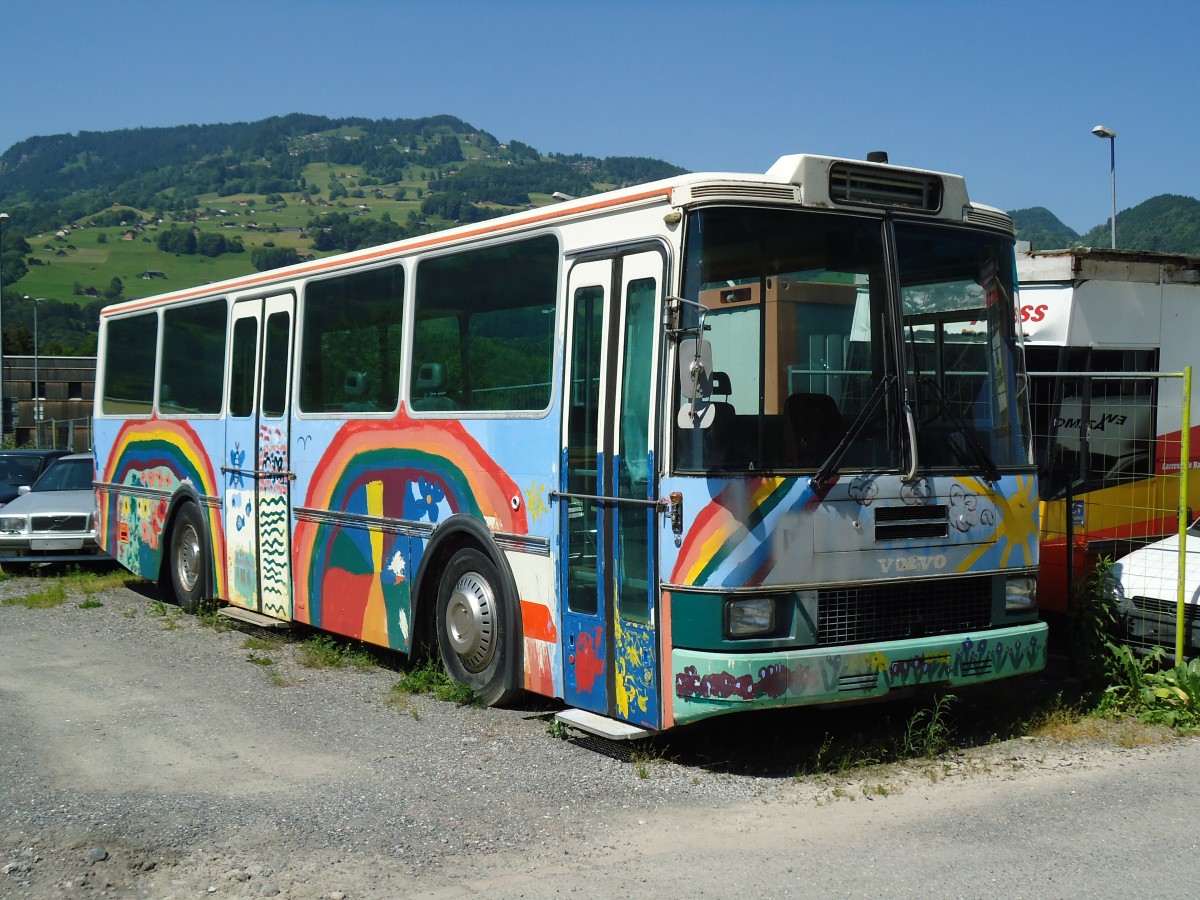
(86, 582)
(430, 678)
(323, 651)
(47, 598)
(263, 642)
(90, 603)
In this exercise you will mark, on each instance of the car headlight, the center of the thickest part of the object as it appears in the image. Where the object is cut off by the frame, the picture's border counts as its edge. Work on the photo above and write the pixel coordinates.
(1020, 594)
(749, 617)
(12, 523)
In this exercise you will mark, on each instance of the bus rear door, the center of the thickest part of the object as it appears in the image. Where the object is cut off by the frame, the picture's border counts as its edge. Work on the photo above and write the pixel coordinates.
(257, 469)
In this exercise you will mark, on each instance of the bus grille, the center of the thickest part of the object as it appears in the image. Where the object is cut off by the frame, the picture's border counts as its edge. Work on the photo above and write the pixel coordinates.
(891, 612)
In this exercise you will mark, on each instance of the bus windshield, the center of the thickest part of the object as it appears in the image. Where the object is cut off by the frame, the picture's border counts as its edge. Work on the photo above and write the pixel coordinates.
(813, 335)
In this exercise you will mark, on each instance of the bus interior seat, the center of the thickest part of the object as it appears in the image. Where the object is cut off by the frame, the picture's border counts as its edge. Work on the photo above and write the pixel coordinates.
(814, 426)
(428, 390)
(721, 436)
(354, 389)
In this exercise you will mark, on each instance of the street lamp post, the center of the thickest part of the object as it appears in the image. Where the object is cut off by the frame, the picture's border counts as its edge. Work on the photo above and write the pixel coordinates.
(37, 403)
(3, 222)
(1101, 131)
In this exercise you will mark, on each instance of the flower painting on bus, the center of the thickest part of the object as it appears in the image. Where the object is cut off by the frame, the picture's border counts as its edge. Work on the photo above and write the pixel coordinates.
(156, 456)
(355, 580)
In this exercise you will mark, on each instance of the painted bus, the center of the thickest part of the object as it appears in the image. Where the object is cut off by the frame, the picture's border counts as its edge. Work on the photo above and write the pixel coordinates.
(1099, 326)
(719, 442)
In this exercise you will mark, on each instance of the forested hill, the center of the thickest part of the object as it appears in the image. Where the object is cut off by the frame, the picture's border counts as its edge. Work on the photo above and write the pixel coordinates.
(62, 177)
(1168, 223)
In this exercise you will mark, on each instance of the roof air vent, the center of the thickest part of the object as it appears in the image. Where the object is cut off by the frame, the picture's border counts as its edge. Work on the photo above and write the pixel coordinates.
(862, 185)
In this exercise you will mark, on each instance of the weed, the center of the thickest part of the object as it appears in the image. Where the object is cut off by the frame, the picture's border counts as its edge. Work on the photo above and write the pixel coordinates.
(642, 755)
(1092, 625)
(209, 615)
(929, 731)
(262, 642)
(90, 603)
(557, 729)
(430, 678)
(325, 652)
(46, 598)
(96, 582)
(158, 608)
(259, 660)
(1153, 695)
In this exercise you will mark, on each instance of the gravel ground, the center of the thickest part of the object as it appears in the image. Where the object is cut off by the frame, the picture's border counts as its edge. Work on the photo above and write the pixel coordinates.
(145, 754)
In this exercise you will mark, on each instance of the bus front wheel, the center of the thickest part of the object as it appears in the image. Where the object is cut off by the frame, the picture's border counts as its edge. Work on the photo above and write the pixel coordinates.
(472, 629)
(187, 558)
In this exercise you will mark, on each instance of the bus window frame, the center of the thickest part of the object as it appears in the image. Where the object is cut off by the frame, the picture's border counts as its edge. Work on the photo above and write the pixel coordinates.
(556, 333)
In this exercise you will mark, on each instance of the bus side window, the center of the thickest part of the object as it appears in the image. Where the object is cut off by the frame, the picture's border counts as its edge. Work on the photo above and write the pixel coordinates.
(350, 351)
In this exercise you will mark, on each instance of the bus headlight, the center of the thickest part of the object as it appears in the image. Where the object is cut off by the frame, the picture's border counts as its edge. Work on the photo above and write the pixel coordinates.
(1020, 594)
(749, 617)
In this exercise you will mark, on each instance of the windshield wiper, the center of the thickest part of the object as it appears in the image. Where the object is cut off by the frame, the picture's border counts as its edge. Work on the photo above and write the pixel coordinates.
(987, 466)
(830, 466)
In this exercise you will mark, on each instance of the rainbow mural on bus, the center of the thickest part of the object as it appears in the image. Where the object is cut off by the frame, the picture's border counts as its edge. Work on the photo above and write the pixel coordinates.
(354, 579)
(728, 543)
(157, 455)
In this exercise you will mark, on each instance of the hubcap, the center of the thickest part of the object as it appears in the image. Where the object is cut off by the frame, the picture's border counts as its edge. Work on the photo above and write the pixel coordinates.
(187, 558)
(470, 622)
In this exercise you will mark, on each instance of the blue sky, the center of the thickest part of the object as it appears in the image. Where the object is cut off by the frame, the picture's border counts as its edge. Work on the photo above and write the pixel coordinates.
(1005, 93)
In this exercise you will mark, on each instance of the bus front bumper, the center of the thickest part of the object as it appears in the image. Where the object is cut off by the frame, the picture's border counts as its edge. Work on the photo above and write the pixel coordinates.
(708, 684)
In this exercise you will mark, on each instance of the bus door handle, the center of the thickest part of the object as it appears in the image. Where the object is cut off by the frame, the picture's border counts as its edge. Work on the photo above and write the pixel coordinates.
(657, 504)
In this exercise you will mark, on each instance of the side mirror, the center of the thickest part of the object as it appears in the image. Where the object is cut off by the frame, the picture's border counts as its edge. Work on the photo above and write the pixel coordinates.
(695, 369)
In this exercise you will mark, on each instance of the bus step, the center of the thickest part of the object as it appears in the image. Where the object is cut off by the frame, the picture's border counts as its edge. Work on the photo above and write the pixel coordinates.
(252, 618)
(601, 726)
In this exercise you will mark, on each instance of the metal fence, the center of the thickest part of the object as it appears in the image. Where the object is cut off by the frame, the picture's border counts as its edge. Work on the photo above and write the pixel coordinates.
(64, 434)
(1109, 448)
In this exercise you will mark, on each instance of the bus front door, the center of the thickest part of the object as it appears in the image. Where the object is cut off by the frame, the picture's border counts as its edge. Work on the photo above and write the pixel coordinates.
(608, 494)
(257, 470)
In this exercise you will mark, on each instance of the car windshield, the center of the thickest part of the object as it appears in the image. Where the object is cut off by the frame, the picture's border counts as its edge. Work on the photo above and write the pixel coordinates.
(16, 470)
(67, 475)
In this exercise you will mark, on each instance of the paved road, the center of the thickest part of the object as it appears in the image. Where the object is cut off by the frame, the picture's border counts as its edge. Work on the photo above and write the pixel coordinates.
(148, 756)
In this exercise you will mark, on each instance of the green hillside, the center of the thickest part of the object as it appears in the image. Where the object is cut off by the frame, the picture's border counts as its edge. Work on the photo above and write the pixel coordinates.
(1042, 229)
(1168, 223)
(100, 217)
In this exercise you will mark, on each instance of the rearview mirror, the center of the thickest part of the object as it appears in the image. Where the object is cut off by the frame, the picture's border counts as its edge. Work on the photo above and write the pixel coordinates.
(695, 369)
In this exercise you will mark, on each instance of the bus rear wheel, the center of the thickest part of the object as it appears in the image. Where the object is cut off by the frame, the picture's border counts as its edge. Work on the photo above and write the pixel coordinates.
(187, 558)
(472, 629)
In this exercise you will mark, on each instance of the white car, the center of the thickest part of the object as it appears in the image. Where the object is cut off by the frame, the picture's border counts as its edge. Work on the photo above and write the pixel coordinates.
(1147, 584)
(55, 519)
